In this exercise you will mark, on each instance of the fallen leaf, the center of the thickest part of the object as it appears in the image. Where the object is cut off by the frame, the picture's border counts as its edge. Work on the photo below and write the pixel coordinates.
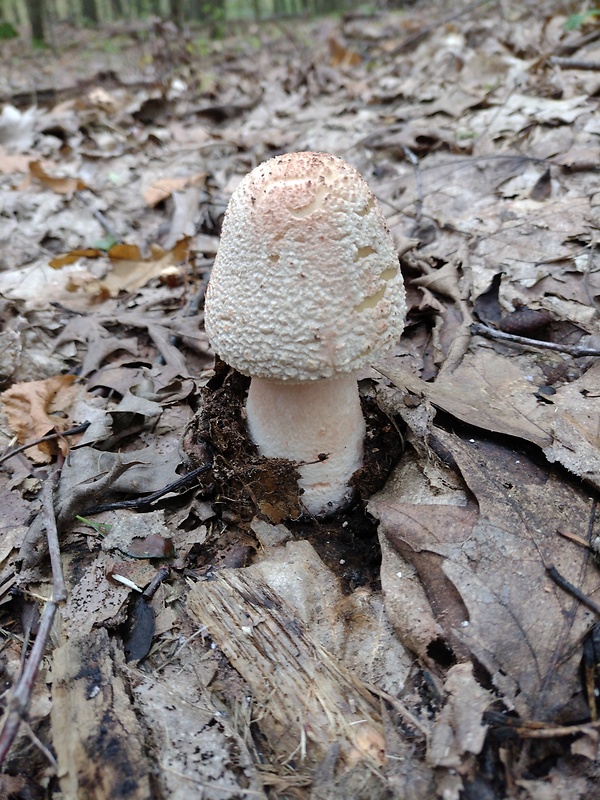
(340, 55)
(66, 186)
(483, 568)
(459, 728)
(36, 408)
(75, 255)
(139, 630)
(491, 391)
(130, 271)
(94, 601)
(164, 188)
(17, 128)
(486, 390)
(153, 546)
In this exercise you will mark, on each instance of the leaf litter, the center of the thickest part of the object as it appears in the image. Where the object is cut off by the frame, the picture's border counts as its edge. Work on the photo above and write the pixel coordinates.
(423, 649)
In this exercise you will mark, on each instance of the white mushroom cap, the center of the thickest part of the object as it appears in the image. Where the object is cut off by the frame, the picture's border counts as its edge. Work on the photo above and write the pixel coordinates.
(306, 283)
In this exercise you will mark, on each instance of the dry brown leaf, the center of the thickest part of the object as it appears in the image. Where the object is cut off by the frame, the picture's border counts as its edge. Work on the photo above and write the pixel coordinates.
(13, 162)
(130, 271)
(164, 188)
(459, 728)
(575, 422)
(75, 255)
(36, 408)
(342, 56)
(483, 569)
(66, 186)
(491, 391)
(486, 390)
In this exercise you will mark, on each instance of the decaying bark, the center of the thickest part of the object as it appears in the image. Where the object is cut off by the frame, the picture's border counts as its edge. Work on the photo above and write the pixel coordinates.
(307, 701)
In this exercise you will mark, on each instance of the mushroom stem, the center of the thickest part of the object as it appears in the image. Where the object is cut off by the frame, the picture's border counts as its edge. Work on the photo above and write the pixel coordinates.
(302, 421)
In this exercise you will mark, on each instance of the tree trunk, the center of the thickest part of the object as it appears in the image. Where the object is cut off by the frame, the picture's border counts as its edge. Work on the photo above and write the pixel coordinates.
(90, 11)
(117, 9)
(177, 13)
(35, 9)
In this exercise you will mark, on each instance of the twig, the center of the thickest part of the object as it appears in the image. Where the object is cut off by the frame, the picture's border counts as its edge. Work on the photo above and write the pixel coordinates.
(559, 730)
(532, 729)
(415, 162)
(100, 217)
(59, 592)
(21, 693)
(142, 502)
(574, 350)
(573, 590)
(574, 63)
(32, 550)
(161, 575)
(55, 435)
(573, 46)
(409, 718)
(41, 746)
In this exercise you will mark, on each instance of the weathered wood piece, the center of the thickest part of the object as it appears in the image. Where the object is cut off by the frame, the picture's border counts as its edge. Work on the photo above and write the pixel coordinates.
(308, 704)
(199, 753)
(96, 735)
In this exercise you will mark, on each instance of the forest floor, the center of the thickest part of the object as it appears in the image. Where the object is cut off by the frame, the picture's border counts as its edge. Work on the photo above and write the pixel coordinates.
(440, 638)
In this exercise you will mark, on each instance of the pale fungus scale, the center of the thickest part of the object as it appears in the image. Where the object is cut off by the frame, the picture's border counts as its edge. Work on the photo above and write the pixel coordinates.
(306, 290)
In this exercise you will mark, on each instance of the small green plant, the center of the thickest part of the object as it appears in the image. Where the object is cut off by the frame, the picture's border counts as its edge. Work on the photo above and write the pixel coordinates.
(105, 243)
(575, 21)
(110, 46)
(201, 46)
(7, 31)
(101, 528)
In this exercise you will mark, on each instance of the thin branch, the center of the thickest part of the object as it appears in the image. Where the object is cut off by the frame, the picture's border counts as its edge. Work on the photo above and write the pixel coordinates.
(409, 718)
(59, 592)
(533, 729)
(574, 350)
(21, 693)
(574, 63)
(573, 590)
(146, 500)
(49, 437)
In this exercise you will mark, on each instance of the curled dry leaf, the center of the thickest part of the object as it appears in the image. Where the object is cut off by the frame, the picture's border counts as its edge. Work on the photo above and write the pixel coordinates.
(36, 408)
(483, 565)
(130, 270)
(492, 392)
(66, 186)
(459, 728)
(164, 188)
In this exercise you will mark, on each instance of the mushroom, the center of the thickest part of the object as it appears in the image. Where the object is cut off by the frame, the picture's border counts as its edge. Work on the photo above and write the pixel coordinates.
(306, 290)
